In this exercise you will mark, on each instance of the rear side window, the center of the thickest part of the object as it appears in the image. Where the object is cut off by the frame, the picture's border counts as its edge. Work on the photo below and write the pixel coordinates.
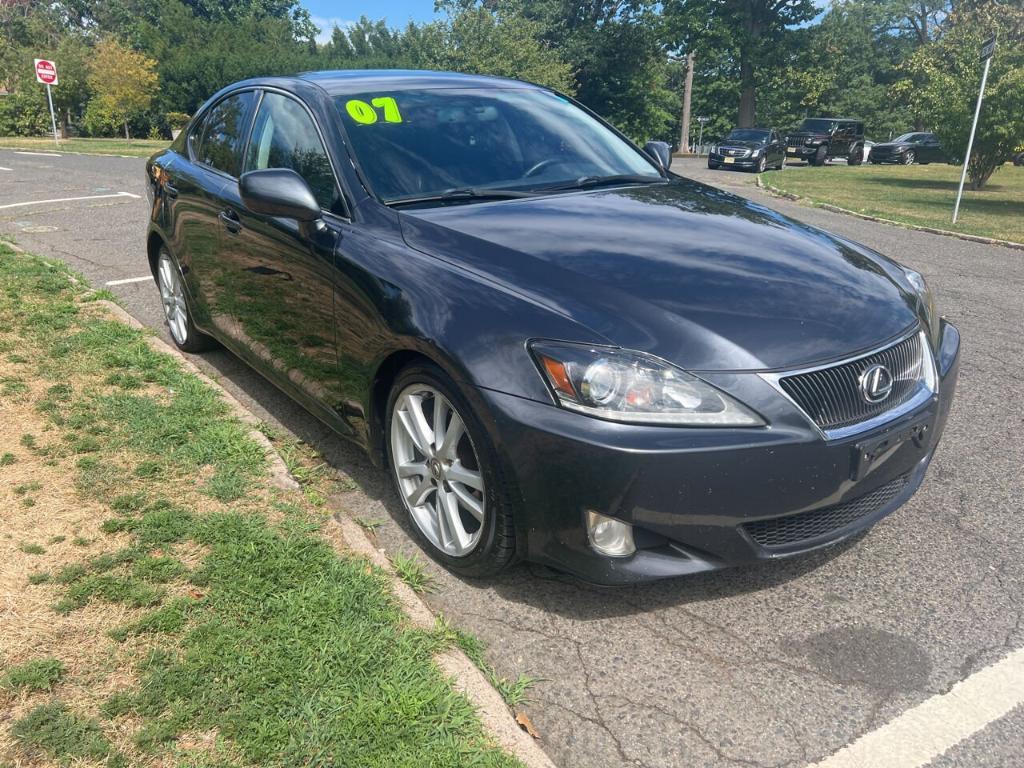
(224, 133)
(285, 136)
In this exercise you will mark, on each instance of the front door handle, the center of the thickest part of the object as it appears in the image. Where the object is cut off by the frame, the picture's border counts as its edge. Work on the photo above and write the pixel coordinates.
(230, 221)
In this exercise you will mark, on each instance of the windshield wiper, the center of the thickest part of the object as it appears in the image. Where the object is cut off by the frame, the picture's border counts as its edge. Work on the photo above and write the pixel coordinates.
(462, 193)
(588, 182)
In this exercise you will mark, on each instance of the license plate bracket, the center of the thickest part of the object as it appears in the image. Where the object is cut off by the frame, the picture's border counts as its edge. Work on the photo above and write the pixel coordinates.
(867, 452)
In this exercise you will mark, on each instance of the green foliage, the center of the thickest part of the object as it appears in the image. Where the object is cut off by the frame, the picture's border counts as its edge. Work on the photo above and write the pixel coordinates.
(411, 571)
(54, 730)
(123, 84)
(943, 79)
(37, 675)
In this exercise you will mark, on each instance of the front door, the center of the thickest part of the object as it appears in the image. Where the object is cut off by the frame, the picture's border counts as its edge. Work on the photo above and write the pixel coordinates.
(281, 303)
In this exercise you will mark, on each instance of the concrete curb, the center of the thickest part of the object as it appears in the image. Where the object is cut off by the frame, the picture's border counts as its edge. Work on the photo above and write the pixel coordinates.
(931, 230)
(347, 537)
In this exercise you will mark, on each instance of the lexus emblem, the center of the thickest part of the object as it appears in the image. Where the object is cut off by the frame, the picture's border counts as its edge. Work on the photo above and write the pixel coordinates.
(875, 383)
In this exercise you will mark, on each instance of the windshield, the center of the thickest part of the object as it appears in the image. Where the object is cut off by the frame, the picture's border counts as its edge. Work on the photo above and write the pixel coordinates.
(417, 144)
(908, 138)
(817, 125)
(747, 134)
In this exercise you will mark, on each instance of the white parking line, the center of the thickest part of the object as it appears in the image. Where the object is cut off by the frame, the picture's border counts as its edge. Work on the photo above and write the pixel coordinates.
(919, 735)
(145, 279)
(5, 169)
(39, 154)
(68, 199)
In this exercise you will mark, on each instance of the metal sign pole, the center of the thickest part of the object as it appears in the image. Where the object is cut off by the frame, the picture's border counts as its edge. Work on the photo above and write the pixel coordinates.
(986, 53)
(53, 118)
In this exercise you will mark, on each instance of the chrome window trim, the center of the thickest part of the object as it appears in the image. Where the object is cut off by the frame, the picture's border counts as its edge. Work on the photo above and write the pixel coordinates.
(920, 398)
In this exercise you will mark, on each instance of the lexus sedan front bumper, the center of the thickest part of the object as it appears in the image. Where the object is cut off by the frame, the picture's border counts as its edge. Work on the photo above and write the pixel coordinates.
(703, 499)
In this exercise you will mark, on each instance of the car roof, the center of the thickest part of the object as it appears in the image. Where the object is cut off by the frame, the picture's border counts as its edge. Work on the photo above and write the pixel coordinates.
(839, 119)
(344, 81)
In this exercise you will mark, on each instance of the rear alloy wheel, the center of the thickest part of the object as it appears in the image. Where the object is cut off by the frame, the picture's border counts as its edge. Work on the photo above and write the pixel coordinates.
(908, 157)
(183, 331)
(445, 473)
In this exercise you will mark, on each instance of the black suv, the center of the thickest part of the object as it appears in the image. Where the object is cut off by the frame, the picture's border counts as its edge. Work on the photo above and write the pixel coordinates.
(819, 138)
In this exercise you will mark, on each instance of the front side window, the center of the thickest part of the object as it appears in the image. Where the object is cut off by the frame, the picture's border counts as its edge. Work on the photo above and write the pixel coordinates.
(224, 133)
(285, 136)
(427, 142)
(908, 138)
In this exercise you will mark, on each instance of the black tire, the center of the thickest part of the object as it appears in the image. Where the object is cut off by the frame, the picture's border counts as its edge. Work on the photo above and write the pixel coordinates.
(876, 162)
(907, 158)
(194, 340)
(856, 156)
(820, 156)
(496, 548)
(713, 166)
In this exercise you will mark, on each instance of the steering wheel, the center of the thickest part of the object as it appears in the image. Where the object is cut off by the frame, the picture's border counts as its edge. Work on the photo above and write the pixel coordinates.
(538, 167)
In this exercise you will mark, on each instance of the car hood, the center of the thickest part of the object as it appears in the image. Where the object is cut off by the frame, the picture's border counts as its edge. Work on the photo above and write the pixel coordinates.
(893, 145)
(744, 144)
(803, 135)
(681, 270)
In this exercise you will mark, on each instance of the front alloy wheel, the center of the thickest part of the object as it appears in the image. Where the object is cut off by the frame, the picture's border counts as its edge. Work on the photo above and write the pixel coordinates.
(446, 473)
(438, 470)
(908, 157)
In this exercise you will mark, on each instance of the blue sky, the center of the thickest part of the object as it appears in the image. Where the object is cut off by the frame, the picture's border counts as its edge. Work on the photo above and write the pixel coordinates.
(397, 12)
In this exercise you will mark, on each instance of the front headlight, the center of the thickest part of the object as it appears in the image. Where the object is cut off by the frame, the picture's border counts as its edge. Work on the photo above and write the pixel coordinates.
(755, 153)
(635, 388)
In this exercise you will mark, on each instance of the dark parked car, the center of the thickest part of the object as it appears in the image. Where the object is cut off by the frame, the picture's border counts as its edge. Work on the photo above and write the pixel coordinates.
(753, 149)
(561, 351)
(820, 138)
(1018, 159)
(909, 148)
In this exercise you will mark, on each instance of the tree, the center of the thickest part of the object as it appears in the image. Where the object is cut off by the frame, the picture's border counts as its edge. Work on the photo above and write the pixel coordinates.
(943, 78)
(123, 82)
(498, 41)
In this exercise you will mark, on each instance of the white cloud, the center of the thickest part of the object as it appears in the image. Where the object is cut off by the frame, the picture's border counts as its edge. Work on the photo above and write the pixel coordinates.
(327, 25)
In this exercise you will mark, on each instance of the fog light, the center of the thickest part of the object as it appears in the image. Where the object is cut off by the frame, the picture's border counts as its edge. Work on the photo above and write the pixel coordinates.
(609, 536)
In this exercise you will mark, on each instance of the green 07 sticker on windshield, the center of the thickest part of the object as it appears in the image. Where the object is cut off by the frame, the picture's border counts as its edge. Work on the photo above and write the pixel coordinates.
(369, 113)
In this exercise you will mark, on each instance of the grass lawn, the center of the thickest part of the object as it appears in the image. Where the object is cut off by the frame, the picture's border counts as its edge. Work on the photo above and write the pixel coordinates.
(916, 194)
(135, 147)
(164, 604)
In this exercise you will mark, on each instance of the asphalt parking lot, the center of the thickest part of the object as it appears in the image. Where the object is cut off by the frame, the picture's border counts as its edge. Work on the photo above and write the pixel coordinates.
(783, 664)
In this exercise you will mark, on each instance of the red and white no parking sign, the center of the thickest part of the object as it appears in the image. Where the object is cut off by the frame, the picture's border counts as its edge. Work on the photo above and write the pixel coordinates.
(46, 72)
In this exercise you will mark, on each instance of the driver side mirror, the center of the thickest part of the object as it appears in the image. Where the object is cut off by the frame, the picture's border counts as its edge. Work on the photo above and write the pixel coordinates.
(660, 151)
(279, 192)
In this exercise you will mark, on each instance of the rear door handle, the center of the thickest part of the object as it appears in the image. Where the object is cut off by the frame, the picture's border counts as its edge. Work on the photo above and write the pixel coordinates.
(230, 220)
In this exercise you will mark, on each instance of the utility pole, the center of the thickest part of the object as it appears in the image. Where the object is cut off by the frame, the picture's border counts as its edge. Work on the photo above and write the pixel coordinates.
(684, 132)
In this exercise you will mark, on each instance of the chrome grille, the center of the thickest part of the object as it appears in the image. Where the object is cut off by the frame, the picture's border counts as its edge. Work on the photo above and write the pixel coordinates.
(803, 526)
(832, 397)
(735, 152)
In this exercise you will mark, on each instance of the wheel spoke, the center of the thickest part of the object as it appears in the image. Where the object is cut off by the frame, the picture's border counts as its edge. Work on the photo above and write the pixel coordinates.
(459, 537)
(473, 505)
(408, 421)
(412, 469)
(418, 422)
(458, 473)
(456, 429)
(420, 493)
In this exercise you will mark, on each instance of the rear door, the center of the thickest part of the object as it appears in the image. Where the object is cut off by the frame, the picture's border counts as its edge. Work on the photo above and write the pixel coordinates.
(931, 149)
(280, 274)
(217, 159)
